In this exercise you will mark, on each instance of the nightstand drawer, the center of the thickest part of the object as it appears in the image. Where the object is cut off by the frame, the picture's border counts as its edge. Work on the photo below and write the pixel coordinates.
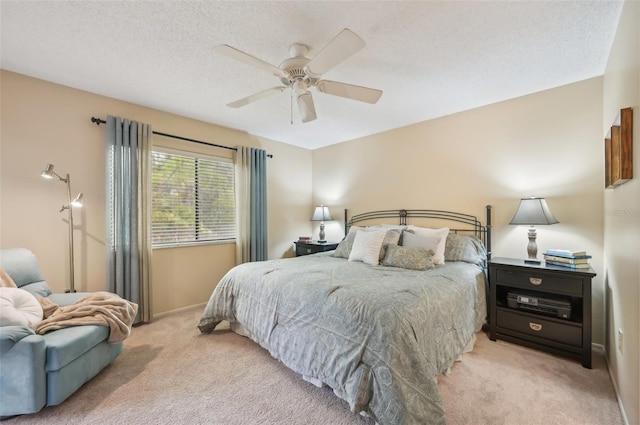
(568, 333)
(313, 247)
(305, 250)
(539, 281)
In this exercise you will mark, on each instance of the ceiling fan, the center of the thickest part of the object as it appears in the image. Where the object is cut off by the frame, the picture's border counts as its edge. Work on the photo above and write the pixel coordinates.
(300, 73)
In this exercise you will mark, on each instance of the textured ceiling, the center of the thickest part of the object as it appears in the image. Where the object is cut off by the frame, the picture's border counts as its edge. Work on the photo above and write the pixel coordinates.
(430, 58)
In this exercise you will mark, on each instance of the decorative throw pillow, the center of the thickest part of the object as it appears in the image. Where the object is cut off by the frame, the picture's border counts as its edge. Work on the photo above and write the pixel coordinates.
(400, 227)
(19, 307)
(343, 249)
(468, 248)
(391, 237)
(411, 240)
(352, 232)
(408, 257)
(367, 246)
(438, 257)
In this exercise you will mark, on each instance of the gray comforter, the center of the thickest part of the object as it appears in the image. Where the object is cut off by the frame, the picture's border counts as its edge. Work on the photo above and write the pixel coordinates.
(379, 336)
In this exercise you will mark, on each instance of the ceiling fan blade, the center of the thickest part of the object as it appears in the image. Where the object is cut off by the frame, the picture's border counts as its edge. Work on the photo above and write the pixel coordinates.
(362, 94)
(345, 44)
(250, 99)
(306, 107)
(232, 52)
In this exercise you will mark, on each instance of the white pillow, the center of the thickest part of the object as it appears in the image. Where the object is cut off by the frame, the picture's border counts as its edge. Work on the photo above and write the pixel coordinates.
(19, 307)
(354, 229)
(411, 240)
(441, 233)
(366, 247)
(392, 236)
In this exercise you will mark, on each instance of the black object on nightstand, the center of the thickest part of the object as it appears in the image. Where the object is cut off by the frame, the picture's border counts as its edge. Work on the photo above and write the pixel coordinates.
(313, 247)
(541, 306)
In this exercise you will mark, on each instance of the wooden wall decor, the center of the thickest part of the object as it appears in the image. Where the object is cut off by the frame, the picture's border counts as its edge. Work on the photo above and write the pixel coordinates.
(618, 150)
(607, 161)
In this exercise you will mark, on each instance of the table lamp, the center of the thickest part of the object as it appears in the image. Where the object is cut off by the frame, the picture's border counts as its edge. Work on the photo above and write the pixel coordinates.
(321, 214)
(533, 211)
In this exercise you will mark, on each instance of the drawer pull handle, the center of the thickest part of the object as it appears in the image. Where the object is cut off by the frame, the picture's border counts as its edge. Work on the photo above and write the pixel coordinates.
(535, 326)
(535, 280)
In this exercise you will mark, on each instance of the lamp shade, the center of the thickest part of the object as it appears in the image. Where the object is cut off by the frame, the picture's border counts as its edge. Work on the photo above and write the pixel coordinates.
(47, 173)
(321, 213)
(533, 211)
(77, 201)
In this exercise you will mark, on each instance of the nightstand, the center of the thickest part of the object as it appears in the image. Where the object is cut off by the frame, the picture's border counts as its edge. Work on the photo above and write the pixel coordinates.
(540, 306)
(313, 247)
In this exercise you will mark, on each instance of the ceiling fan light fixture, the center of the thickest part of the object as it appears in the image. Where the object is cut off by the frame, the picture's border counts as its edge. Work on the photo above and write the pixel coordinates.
(300, 87)
(306, 107)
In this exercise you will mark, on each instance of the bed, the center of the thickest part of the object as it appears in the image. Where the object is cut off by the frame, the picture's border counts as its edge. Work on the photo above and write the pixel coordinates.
(378, 330)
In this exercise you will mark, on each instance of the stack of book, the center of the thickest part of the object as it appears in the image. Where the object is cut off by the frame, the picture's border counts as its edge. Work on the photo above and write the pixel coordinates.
(567, 258)
(304, 239)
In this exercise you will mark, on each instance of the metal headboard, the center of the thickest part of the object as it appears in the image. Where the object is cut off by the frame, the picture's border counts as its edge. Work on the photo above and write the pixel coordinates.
(471, 224)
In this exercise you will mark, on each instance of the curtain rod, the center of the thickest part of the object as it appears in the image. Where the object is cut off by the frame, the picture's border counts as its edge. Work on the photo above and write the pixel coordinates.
(98, 121)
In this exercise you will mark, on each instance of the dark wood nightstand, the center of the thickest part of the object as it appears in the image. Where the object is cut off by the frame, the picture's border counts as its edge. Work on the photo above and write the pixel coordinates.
(313, 247)
(541, 306)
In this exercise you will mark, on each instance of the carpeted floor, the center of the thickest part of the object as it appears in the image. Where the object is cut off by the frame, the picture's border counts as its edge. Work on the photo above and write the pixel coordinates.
(171, 374)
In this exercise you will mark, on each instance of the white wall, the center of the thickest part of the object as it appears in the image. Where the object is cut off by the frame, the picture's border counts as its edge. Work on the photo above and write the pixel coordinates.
(622, 218)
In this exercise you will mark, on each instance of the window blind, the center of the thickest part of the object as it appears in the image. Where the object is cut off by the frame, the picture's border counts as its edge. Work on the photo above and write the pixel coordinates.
(193, 198)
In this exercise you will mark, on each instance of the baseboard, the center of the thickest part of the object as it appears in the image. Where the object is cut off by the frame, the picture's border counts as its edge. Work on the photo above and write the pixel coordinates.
(164, 313)
(600, 348)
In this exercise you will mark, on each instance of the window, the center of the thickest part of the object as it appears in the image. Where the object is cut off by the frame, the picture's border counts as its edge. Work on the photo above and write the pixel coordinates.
(192, 198)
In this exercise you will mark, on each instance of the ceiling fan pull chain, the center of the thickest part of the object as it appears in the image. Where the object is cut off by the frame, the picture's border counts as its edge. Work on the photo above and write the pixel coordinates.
(291, 108)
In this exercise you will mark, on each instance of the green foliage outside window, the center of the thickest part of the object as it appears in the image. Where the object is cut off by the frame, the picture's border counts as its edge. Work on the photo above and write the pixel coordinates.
(193, 199)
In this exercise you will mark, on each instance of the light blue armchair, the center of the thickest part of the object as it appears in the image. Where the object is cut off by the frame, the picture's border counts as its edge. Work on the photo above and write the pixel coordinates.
(43, 370)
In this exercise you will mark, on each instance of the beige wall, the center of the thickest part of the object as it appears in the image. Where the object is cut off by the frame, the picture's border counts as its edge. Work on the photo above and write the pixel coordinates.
(622, 218)
(48, 123)
(546, 144)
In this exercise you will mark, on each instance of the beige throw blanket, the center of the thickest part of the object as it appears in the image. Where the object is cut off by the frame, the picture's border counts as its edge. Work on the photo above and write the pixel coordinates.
(5, 280)
(98, 308)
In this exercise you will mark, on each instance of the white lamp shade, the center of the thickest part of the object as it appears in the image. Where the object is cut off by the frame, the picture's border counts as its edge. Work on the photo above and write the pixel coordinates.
(533, 211)
(321, 213)
(77, 201)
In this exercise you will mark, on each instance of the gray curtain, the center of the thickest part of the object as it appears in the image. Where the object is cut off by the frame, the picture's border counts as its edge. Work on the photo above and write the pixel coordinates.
(128, 217)
(251, 200)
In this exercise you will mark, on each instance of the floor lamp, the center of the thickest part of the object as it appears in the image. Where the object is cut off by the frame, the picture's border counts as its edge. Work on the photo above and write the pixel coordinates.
(48, 173)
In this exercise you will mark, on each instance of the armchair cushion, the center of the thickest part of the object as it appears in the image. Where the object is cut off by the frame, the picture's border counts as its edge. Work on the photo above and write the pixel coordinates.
(19, 308)
(5, 279)
(66, 345)
(22, 265)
